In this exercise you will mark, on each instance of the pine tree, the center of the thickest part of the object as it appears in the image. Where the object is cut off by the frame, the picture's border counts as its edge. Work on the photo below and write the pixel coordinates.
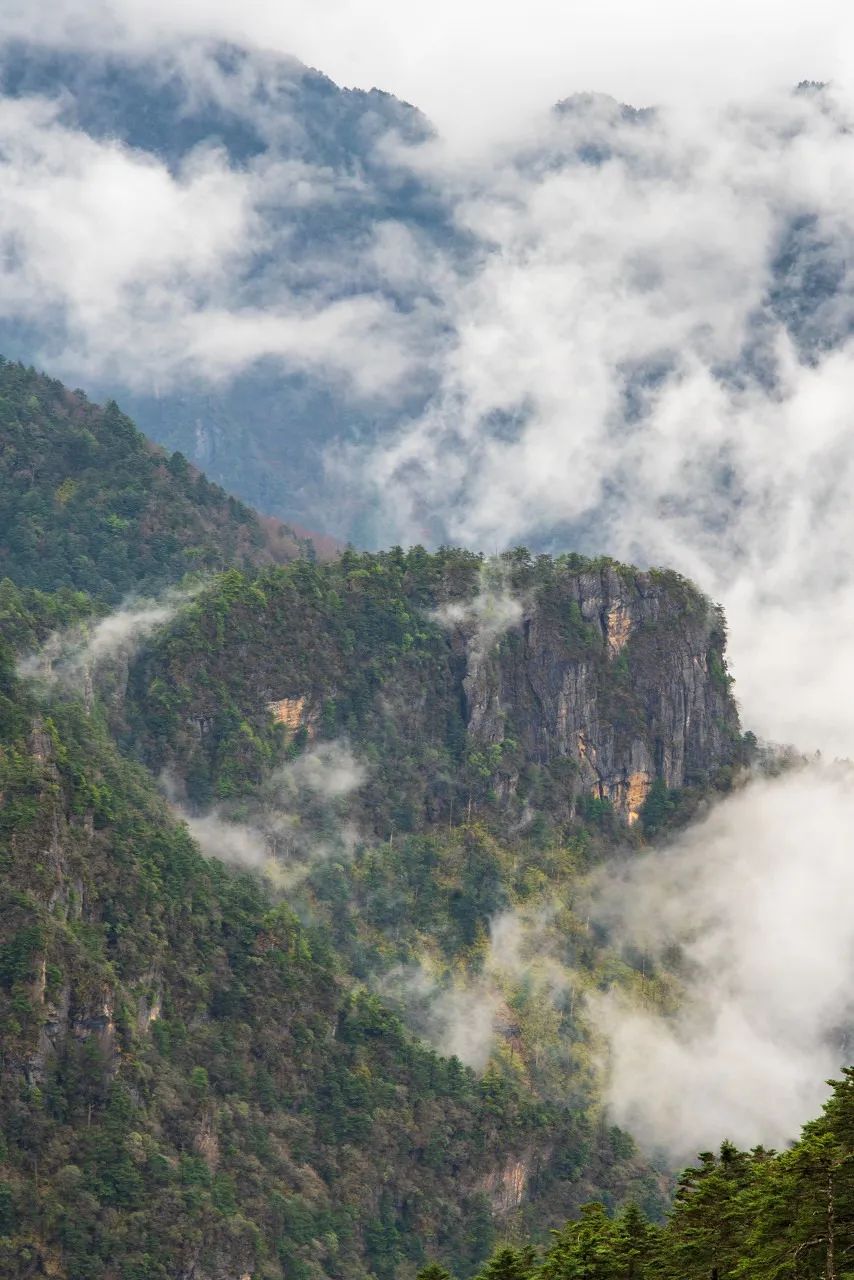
(509, 1264)
(433, 1271)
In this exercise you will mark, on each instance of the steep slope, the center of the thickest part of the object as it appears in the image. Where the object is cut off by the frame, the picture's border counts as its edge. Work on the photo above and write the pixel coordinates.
(191, 1086)
(86, 502)
(594, 678)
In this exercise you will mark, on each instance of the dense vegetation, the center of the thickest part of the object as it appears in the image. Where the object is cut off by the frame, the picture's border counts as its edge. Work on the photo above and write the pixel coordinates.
(736, 1215)
(217, 1071)
(360, 645)
(188, 1078)
(86, 502)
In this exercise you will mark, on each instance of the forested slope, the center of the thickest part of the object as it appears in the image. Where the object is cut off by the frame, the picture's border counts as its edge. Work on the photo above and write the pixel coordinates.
(190, 1083)
(87, 502)
(364, 1044)
(757, 1215)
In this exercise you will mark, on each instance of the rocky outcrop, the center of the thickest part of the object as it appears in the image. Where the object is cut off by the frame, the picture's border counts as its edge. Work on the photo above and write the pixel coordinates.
(618, 672)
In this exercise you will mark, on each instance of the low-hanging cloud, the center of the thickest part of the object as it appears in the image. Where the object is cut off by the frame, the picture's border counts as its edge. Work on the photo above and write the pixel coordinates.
(457, 1015)
(71, 659)
(131, 270)
(467, 1014)
(487, 615)
(280, 840)
(756, 899)
(330, 770)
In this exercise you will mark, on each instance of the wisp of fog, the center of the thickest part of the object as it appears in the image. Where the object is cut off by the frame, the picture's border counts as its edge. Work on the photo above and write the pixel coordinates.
(757, 899)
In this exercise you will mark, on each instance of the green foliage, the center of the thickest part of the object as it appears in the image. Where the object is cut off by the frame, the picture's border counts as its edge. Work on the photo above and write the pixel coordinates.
(215, 1090)
(735, 1216)
(89, 504)
(356, 645)
(434, 1271)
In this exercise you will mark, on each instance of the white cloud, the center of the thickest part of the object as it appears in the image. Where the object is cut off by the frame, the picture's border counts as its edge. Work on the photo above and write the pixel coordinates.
(71, 658)
(457, 1016)
(483, 70)
(619, 372)
(279, 840)
(757, 897)
(485, 616)
(150, 276)
(329, 769)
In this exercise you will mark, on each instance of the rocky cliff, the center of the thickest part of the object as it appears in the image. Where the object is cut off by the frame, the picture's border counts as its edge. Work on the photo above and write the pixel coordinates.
(618, 672)
(460, 682)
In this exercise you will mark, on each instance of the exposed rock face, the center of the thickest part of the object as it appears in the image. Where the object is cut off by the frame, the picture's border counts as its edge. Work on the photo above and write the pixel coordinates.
(506, 1185)
(462, 680)
(617, 671)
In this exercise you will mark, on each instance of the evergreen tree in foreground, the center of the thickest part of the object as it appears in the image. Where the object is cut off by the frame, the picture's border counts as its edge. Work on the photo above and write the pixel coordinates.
(736, 1215)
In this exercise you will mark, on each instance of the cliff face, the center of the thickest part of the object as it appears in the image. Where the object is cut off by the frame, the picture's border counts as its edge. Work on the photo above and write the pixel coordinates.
(460, 688)
(618, 672)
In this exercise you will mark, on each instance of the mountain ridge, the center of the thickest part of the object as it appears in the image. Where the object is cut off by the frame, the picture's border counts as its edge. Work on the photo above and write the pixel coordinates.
(334, 729)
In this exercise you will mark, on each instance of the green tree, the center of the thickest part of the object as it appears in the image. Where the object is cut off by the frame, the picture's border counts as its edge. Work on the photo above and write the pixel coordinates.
(585, 1249)
(509, 1263)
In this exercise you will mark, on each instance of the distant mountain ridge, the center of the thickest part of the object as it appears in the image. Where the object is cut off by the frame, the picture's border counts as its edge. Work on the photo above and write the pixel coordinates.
(386, 232)
(263, 431)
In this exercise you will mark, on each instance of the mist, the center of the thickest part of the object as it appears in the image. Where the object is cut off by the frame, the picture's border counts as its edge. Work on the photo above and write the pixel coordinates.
(473, 1014)
(458, 1015)
(297, 823)
(72, 659)
(484, 617)
(755, 901)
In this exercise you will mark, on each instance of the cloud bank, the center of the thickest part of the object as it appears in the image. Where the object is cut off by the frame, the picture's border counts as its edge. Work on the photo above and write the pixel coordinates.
(485, 70)
(149, 271)
(757, 900)
(652, 357)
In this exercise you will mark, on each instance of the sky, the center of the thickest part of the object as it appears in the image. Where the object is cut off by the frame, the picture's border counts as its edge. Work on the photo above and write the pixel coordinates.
(479, 68)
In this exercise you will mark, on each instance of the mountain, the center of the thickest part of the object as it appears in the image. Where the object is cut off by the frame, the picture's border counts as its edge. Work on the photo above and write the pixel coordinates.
(271, 865)
(315, 152)
(564, 676)
(88, 503)
(316, 277)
